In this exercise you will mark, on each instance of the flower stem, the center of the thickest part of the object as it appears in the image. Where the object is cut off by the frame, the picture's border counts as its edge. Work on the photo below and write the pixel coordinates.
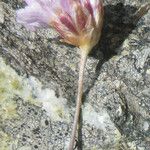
(79, 99)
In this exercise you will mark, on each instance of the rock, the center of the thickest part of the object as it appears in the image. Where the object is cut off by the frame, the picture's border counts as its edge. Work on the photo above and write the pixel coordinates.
(116, 89)
(1, 14)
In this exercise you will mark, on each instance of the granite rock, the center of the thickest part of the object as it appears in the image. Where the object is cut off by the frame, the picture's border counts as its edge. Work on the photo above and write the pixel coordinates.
(115, 114)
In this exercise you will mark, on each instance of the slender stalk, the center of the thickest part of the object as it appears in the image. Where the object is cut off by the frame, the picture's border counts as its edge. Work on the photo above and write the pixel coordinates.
(79, 99)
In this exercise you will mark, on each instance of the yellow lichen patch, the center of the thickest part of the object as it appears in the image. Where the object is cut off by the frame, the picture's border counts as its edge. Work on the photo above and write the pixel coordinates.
(10, 85)
(30, 90)
(7, 104)
(2, 90)
(33, 101)
(94, 148)
(2, 94)
(8, 110)
(16, 84)
(4, 141)
(2, 76)
(60, 112)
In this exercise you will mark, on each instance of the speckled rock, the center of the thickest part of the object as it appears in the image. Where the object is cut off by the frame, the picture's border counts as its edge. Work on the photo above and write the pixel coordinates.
(115, 114)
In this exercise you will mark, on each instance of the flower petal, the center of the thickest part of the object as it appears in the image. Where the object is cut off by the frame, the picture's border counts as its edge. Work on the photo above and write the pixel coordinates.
(68, 22)
(34, 15)
(88, 6)
(62, 29)
(66, 5)
(81, 17)
(42, 2)
(29, 1)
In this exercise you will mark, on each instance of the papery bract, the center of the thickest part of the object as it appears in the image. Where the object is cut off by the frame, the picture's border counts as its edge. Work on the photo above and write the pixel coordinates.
(79, 22)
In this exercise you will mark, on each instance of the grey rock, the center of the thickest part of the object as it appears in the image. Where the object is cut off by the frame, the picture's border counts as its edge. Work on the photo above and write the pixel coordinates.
(1, 14)
(117, 81)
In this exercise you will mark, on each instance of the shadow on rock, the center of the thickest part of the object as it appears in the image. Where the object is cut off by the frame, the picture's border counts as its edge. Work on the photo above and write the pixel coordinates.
(119, 22)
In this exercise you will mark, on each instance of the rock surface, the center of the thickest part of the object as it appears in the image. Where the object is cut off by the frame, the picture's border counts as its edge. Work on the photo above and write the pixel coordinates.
(116, 109)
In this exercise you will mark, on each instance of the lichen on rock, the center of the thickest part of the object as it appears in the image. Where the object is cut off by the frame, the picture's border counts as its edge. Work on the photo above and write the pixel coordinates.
(31, 91)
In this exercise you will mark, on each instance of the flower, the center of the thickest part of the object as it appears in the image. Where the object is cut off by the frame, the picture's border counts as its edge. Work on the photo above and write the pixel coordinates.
(79, 22)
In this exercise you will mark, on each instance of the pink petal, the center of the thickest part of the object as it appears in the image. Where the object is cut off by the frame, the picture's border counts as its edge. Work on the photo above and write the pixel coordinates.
(62, 30)
(88, 6)
(33, 16)
(66, 5)
(68, 22)
(42, 2)
(29, 1)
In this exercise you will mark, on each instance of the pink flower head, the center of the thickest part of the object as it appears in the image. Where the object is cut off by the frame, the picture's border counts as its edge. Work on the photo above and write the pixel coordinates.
(79, 22)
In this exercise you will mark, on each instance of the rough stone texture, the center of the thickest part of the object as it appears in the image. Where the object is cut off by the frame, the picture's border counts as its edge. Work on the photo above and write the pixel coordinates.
(117, 81)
